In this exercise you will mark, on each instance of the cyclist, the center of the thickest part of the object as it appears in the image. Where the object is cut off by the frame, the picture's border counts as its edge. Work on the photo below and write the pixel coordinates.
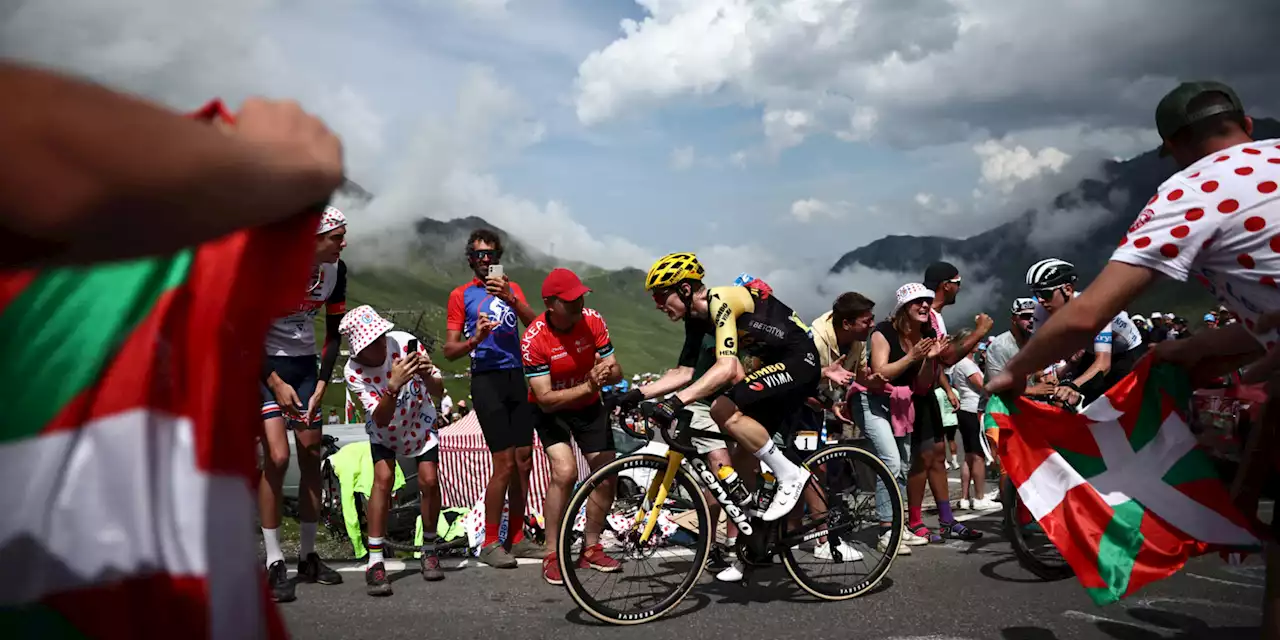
(1115, 349)
(289, 380)
(753, 318)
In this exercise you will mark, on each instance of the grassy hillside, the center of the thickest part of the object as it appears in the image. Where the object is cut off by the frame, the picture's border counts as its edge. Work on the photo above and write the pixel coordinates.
(418, 293)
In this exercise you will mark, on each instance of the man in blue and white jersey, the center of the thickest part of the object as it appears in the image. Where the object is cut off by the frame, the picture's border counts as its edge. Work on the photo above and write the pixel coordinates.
(1115, 350)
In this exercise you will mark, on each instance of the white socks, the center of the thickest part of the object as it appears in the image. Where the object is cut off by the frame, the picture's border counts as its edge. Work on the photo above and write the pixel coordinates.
(784, 469)
(272, 539)
(307, 542)
(375, 550)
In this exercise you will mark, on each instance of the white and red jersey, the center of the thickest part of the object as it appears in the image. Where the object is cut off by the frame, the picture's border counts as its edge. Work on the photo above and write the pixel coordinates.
(1219, 222)
(412, 429)
(295, 334)
(567, 357)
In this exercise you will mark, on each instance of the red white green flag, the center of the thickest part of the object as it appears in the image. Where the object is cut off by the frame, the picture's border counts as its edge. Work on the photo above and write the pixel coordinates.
(1121, 489)
(132, 405)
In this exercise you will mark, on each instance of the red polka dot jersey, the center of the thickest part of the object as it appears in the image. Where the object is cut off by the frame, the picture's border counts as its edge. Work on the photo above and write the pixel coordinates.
(1219, 221)
(412, 429)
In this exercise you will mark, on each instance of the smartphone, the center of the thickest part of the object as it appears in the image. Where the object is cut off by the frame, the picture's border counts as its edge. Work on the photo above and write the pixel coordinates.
(495, 271)
(413, 345)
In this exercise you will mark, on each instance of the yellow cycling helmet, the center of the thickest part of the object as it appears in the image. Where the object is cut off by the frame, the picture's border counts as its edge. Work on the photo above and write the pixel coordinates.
(672, 269)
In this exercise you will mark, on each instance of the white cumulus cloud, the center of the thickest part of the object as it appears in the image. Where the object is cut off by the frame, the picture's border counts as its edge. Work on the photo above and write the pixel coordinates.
(1004, 166)
(809, 209)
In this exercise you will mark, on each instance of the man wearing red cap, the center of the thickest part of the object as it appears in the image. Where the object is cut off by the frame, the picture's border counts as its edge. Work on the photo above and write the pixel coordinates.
(568, 358)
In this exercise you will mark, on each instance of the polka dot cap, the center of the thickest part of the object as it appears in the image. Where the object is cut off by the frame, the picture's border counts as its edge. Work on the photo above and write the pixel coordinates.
(331, 219)
(361, 326)
(911, 291)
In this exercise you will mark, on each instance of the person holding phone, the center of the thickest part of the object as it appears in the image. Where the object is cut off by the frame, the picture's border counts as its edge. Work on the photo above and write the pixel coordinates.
(398, 386)
(483, 321)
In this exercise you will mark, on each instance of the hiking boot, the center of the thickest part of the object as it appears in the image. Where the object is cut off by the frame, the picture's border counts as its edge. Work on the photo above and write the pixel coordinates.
(551, 569)
(958, 531)
(376, 580)
(497, 557)
(282, 588)
(527, 548)
(594, 557)
(311, 569)
(430, 562)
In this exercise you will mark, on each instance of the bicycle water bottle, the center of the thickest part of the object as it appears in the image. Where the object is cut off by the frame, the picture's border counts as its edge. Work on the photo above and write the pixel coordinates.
(764, 495)
(733, 483)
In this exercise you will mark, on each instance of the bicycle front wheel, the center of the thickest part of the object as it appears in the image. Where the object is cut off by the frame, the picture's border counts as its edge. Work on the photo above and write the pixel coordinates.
(1035, 552)
(834, 546)
(654, 575)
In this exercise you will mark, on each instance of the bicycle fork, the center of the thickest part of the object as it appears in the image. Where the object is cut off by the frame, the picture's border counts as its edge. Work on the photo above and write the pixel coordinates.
(659, 487)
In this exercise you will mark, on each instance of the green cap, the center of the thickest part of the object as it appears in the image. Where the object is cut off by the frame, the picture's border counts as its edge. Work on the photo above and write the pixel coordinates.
(1172, 113)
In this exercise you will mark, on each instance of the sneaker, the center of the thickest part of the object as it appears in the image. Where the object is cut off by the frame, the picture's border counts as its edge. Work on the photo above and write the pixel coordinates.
(958, 531)
(313, 570)
(719, 556)
(883, 545)
(963, 504)
(984, 505)
(732, 574)
(947, 465)
(846, 551)
(786, 497)
(497, 557)
(551, 569)
(282, 588)
(912, 540)
(594, 557)
(527, 548)
(431, 571)
(376, 581)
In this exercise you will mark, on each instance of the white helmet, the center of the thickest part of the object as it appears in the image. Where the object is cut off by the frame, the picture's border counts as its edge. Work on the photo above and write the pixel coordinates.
(1050, 273)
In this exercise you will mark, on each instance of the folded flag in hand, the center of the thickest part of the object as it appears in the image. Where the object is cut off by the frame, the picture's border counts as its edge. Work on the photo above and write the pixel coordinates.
(131, 409)
(1121, 489)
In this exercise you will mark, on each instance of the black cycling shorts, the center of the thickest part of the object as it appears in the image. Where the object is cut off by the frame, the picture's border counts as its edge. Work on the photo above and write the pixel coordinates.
(970, 431)
(300, 372)
(773, 394)
(502, 406)
(1121, 365)
(380, 452)
(589, 427)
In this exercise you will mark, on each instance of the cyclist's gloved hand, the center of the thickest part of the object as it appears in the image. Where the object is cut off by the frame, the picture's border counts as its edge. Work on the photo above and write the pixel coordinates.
(665, 410)
(631, 399)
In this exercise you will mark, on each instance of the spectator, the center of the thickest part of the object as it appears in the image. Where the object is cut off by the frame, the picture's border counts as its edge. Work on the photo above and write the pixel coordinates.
(487, 311)
(568, 358)
(967, 380)
(386, 376)
(446, 404)
(333, 417)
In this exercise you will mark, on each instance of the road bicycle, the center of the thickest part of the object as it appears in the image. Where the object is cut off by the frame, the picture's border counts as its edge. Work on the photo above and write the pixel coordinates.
(661, 529)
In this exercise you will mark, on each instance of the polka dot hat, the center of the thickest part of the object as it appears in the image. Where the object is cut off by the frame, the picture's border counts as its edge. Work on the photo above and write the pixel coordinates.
(911, 291)
(331, 219)
(361, 326)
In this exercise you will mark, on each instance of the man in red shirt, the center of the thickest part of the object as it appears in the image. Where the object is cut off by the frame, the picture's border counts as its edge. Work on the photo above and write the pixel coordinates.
(568, 358)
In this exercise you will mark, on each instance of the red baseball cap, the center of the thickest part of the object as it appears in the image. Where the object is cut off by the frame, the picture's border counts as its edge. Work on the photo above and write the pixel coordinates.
(564, 284)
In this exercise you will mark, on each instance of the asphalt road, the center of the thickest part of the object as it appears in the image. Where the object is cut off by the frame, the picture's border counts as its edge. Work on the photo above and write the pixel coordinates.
(944, 592)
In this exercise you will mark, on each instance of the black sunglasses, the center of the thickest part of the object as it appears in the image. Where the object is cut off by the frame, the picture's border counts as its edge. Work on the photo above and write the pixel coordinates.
(480, 254)
(1045, 294)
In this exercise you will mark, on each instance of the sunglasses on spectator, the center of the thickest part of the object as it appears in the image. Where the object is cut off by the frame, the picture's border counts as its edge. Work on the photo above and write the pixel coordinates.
(955, 281)
(481, 254)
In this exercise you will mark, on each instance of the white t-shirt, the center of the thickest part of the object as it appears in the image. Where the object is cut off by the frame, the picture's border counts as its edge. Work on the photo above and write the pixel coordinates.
(969, 394)
(939, 324)
(1217, 220)
(446, 405)
(411, 431)
(1119, 336)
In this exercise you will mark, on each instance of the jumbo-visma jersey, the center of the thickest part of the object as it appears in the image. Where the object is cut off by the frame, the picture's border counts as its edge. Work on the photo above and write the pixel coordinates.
(752, 320)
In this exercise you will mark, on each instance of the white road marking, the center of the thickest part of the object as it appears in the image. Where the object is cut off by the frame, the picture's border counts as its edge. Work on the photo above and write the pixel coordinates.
(352, 566)
(1227, 582)
(1089, 617)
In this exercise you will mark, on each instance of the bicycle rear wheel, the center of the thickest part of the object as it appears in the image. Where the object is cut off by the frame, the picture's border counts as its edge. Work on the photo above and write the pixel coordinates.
(833, 544)
(656, 575)
(1035, 552)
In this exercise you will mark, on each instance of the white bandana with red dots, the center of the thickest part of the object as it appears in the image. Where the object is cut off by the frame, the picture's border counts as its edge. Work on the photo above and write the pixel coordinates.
(331, 219)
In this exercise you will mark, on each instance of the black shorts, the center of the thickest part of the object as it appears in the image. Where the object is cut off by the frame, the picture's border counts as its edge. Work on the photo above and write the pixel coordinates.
(383, 453)
(301, 373)
(773, 394)
(502, 406)
(927, 429)
(589, 427)
(1121, 365)
(970, 431)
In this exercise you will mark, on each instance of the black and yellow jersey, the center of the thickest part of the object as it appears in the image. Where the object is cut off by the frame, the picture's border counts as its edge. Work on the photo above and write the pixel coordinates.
(746, 319)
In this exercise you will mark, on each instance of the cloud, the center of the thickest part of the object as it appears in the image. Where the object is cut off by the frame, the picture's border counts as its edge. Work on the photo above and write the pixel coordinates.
(682, 158)
(920, 72)
(1005, 165)
(808, 209)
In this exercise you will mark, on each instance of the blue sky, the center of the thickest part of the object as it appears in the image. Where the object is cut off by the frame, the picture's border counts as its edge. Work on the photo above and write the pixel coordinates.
(770, 135)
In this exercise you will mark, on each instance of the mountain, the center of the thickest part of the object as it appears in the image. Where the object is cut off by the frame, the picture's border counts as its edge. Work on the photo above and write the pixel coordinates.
(414, 295)
(1106, 206)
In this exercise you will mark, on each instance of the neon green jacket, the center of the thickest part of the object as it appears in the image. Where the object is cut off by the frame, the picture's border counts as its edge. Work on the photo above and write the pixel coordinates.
(353, 464)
